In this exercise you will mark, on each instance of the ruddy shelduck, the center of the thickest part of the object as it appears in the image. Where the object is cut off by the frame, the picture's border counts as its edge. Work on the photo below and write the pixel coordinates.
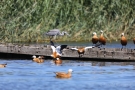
(102, 39)
(39, 59)
(123, 40)
(94, 38)
(81, 50)
(63, 74)
(57, 51)
(3, 65)
(58, 61)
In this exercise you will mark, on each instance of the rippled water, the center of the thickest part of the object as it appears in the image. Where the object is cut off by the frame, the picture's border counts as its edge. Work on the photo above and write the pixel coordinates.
(87, 75)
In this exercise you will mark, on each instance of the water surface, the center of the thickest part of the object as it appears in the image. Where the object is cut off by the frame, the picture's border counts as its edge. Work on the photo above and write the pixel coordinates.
(87, 75)
(113, 44)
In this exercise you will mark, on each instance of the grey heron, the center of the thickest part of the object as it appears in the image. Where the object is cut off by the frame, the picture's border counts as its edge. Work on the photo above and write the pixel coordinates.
(55, 32)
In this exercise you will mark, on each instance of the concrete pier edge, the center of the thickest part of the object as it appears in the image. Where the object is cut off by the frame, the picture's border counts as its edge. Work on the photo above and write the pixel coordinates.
(97, 54)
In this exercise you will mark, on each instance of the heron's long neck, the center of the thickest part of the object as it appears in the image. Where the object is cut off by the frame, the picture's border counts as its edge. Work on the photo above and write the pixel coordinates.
(62, 33)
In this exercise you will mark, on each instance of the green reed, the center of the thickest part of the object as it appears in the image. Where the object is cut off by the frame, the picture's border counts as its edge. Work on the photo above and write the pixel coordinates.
(27, 20)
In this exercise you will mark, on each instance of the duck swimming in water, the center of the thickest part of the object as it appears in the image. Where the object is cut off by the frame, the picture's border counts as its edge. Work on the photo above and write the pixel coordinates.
(3, 65)
(63, 74)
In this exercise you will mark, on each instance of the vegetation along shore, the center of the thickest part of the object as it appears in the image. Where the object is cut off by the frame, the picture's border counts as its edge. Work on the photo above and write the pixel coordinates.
(28, 20)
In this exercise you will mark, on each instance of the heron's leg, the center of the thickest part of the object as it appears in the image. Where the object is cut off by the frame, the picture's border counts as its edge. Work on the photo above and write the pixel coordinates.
(52, 43)
(55, 37)
(50, 37)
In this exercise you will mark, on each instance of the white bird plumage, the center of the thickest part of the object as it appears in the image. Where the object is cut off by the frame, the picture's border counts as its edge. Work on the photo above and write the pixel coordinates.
(81, 50)
(57, 51)
(84, 48)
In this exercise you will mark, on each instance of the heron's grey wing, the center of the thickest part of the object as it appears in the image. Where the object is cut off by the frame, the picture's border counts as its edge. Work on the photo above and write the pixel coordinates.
(54, 30)
(51, 33)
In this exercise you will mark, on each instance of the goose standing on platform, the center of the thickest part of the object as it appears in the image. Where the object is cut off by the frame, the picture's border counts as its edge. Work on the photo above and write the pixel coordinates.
(63, 74)
(81, 50)
(123, 40)
(94, 38)
(102, 39)
(54, 32)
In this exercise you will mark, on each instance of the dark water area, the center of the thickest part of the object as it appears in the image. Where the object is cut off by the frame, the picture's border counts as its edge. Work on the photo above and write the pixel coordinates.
(87, 75)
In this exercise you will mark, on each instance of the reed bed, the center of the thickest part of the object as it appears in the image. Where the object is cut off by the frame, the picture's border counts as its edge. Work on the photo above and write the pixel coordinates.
(27, 20)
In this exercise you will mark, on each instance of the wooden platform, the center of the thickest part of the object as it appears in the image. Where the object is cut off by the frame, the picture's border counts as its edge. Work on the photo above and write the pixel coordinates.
(96, 53)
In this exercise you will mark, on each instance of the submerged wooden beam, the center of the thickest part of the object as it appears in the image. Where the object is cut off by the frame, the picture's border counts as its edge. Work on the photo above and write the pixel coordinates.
(92, 53)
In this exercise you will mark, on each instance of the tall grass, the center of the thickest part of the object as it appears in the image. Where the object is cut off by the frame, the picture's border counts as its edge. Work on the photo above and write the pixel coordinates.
(27, 20)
